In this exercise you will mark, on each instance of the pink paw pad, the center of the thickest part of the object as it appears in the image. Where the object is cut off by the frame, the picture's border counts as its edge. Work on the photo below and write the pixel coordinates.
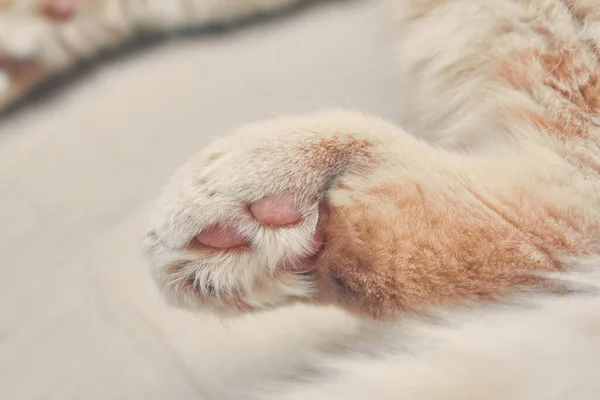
(220, 237)
(278, 211)
(59, 10)
(274, 211)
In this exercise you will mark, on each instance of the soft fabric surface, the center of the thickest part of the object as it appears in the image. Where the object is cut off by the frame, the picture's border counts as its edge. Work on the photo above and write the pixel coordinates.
(80, 317)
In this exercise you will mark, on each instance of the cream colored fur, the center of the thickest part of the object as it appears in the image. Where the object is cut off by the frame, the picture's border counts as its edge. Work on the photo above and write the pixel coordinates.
(534, 349)
(481, 160)
(99, 25)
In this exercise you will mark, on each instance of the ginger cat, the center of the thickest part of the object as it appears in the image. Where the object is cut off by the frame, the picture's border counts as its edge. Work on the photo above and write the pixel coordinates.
(467, 242)
(40, 39)
(489, 220)
(346, 209)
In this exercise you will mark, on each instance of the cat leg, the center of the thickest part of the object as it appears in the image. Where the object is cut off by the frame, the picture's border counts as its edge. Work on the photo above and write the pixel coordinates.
(340, 208)
(40, 38)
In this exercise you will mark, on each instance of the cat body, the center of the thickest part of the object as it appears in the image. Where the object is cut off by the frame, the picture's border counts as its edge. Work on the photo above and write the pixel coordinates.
(464, 244)
(40, 39)
(532, 348)
(505, 190)
(476, 244)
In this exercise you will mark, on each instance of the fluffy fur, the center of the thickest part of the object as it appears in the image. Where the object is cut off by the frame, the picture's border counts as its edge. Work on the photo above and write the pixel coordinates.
(43, 38)
(478, 243)
(409, 224)
(535, 348)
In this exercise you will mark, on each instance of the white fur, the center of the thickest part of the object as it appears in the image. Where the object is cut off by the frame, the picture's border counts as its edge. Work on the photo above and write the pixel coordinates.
(535, 348)
(25, 34)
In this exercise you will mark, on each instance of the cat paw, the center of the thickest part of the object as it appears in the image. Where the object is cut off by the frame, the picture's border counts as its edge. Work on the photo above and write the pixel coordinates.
(40, 38)
(25, 30)
(58, 10)
(243, 225)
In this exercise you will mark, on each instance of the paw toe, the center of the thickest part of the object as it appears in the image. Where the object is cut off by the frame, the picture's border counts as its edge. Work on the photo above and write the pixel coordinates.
(220, 237)
(278, 211)
(59, 10)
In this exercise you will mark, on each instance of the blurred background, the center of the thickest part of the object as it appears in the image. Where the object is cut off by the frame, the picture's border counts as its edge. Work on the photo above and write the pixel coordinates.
(79, 316)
